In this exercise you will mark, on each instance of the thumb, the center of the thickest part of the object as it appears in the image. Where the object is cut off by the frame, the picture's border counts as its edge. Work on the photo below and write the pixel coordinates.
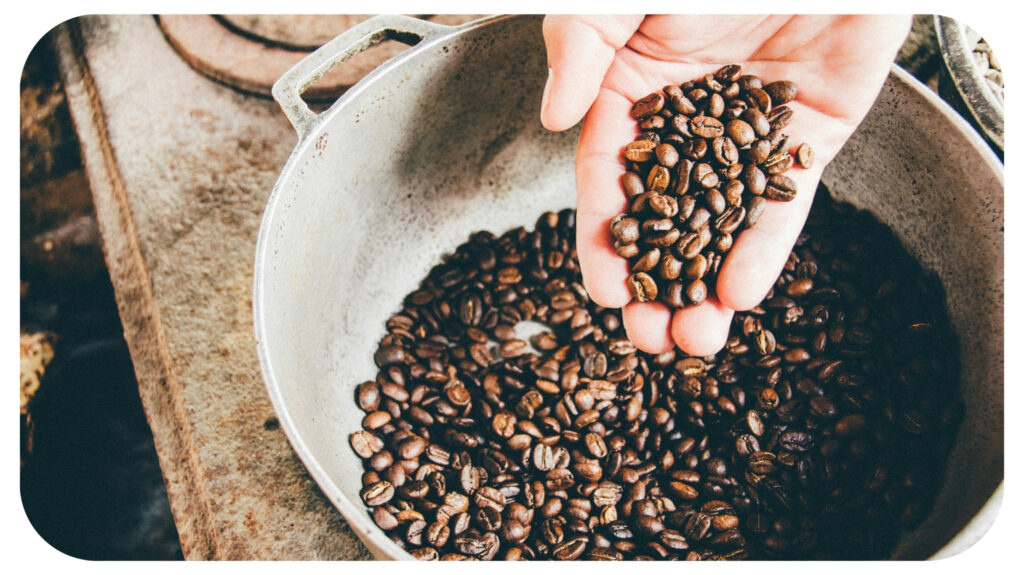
(580, 50)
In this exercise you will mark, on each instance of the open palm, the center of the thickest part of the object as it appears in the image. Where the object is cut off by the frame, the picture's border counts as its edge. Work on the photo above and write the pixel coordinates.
(599, 65)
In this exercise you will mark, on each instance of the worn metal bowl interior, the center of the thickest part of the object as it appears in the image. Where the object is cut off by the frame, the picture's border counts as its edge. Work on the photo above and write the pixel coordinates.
(446, 140)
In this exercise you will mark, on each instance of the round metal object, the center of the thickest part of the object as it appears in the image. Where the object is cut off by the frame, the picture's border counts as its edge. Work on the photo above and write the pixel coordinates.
(962, 83)
(445, 139)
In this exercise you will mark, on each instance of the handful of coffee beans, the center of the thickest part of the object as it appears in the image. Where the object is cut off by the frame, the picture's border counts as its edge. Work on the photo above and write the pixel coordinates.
(711, 153)
(511, 418)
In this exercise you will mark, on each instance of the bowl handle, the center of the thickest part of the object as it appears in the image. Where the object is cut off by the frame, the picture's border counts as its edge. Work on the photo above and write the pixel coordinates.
(289, 87)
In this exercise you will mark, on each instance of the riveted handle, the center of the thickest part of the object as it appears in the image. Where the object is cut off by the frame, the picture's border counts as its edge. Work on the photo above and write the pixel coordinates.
(289, 88)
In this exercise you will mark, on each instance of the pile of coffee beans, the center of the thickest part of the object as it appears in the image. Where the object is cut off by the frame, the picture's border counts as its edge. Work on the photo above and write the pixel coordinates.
(709, 156)
(511, 418)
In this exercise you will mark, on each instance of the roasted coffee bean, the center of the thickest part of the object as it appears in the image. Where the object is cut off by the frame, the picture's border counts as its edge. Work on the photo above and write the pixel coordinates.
(779, 118)
(640, 151)
(777, 163)
(674, 294)
(705, 175)
(805, 156)
(706, 127)
(730, 220)
(781, 91)
(571, 549)
(666, 155)
(658, 179)
(716, 201)
(632, 184)
(670, 267)
(377, 493)
(755, 208)
(365, 443)
(780, 188)
(384, 518)
(660, 232)
(648, 105)
(851, 425)
(368, 396)
(642, 287)
(758, 123)
(648, 261)
(696, 292)
(741, 133)
(625, 229)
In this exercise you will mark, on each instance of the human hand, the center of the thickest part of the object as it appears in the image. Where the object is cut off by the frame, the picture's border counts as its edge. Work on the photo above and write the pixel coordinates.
(600, 65)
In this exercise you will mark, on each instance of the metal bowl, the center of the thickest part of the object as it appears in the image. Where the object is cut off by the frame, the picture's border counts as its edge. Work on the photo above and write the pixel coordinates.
(963, 84)
(445, 139)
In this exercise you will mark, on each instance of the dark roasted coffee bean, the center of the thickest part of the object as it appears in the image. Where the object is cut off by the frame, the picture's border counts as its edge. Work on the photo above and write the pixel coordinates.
(666, 155)
(704, 175)
(632, 184)
(365, 443)
(660, 232)
(698, 219)
(726, 152)
(758, 123)
(706, 127)
(377, 493)
(640, 151)
(781, 91)
(658, 179)
(716, 201)
(728, 73)
(648, 105)
(777, 163)
(674, 294)
(779, 118)
(754, 180)
(368, 396)
(805, 156)
(384, 518)
(625, 229)
(596, 445)
(755, 208)
(652, 123)
(425, 554)
(851, 425)
(647, 261)
(759, 99)
(740, 132)
(437, 534)
(513, 531)
(730, 220)
(696, 292)
(687, 204)
(642, 287)
(570, 549)
(780, 188)
(669, 268)
(663, 206)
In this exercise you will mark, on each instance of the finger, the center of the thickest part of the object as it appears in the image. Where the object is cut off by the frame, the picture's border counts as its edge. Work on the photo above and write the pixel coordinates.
(647, 326)
(759, 253)
(599, 170)
(580, 49)
(702, 330)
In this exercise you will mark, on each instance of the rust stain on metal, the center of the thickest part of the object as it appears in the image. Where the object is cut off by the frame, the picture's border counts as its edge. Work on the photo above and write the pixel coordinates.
(321, 145)
(251, 523)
